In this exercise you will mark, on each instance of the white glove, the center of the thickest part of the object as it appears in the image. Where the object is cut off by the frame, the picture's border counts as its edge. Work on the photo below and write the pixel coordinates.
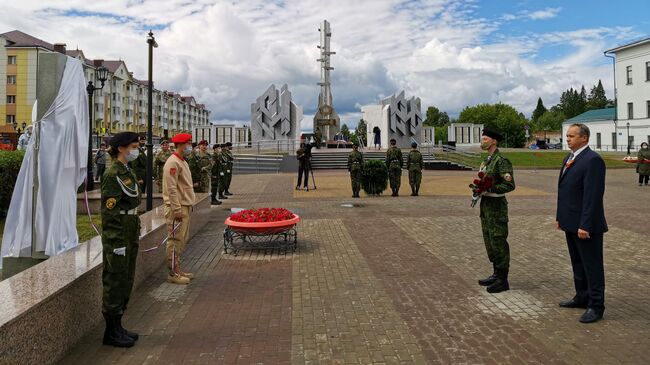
(120, 251)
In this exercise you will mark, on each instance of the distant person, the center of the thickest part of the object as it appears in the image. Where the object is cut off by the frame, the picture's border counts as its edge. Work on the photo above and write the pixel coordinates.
(643, 164)
(394, 163)
(318, 138)
(303, 167)
(23, 141)
(414, 165)
(100, 160)
(377, 137)
(581, 215)
(355, 167)
(159, 162)
(139, 166)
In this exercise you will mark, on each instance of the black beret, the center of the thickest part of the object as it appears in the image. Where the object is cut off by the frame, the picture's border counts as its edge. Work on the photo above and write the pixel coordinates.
(393, 141)
(413, 144)
(123, 139)
(228, 144)
(215, 146)
(492, 133)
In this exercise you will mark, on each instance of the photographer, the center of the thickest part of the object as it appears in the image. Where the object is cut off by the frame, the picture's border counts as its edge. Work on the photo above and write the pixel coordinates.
(304, 160)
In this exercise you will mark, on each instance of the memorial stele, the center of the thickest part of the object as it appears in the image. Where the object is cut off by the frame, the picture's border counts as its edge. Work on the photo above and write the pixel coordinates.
(397, 117)
(326, 119)
(274, 116)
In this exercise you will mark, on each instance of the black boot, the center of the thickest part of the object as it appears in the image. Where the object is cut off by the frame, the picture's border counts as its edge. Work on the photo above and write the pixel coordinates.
(134, 336)
(412, 191)
(214, 201)
(221, 196)
(112, 335)
(489, 280)
(394, 193)
(501, 284)
(227, 193)
(417, 191)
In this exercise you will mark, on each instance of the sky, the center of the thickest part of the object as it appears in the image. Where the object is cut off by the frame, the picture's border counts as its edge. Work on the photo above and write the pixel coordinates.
(450, 53)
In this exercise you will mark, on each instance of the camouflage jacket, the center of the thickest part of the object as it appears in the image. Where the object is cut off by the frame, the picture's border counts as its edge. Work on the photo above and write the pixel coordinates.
(394, 157)
(159, 162)
(414, 161)
(120, 192)
(355, 160)
(500, 170)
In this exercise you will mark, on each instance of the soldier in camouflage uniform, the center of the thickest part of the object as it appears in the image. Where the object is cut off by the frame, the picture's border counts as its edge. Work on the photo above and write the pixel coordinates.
(214, 174)
(204, 161)
(394, 162)
(120, 197)
(139, 166)
(355, 164)
(195, 167)
(414, 164)
(159, 162)
(494, 212)
(230, 161)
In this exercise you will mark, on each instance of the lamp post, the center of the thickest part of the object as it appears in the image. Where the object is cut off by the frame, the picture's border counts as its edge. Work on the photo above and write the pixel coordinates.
(102, 75)
(628, 137)
(151, 41)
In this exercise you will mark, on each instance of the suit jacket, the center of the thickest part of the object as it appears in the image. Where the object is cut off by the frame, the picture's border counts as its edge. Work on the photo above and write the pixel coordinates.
(580, 194)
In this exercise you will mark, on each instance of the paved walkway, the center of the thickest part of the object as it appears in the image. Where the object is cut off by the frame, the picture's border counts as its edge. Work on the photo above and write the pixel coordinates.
(393, 281)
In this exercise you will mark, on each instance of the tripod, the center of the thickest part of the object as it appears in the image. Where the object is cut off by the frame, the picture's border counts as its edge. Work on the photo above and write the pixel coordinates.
(312, 177)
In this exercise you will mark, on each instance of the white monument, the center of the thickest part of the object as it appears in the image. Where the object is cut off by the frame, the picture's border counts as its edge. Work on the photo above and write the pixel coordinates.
(326, 120)
(396, 117)
(274, 116)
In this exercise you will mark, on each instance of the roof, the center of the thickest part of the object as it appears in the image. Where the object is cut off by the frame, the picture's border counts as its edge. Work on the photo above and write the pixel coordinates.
(17, 38)
(629, 45)
(112, 66)
(593, 116)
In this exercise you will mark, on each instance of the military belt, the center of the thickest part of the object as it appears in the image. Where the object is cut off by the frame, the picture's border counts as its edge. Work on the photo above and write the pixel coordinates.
(356, 162)
(494, 195)
(133, 211)
(394, 160)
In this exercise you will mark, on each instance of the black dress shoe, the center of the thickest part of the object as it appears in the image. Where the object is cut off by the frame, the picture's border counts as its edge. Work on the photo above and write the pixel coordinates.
(498, 286)
(592, 315)
(572, 303)
(488, 281)
(227, 193)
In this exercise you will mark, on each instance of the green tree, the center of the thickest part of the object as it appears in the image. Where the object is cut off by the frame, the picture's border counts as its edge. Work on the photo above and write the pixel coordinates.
(539, 110)
(550, 121)
(435, 118)
(597, 98)
(502, 117)
(441, 134)
(345, 131)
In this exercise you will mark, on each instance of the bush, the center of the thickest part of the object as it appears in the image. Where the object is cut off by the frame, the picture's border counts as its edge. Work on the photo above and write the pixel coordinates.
(375, 177)
(10, 162)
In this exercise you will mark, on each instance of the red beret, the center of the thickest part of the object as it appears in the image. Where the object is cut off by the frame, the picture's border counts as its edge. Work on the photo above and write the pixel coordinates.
(182, 138)
(203, 142)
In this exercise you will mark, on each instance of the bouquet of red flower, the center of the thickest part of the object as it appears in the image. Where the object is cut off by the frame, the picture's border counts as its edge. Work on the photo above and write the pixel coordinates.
(480, 186)
(262, 215)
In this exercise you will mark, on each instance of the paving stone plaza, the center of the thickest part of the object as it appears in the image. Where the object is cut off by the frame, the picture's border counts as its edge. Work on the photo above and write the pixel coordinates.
(393, 281)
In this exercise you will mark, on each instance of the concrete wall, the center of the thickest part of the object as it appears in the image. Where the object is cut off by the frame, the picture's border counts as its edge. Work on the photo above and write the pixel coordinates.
(46, 309)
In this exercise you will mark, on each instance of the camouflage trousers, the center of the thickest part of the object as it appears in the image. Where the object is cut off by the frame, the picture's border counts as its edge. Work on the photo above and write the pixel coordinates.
(395, 177)
(118, 272)
(415, 178)
(204, 183)
(355, 178)
(494, 222)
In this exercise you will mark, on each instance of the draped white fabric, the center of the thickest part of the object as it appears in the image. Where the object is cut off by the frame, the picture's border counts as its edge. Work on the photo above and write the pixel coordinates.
(61, 170)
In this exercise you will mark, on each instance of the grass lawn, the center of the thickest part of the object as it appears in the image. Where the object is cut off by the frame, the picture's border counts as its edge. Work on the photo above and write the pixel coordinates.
(537, 159)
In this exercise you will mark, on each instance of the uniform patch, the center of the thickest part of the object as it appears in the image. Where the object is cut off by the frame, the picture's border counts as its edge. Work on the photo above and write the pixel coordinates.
(172, 171)
(110, 203)
(127, 182)
(507, 177)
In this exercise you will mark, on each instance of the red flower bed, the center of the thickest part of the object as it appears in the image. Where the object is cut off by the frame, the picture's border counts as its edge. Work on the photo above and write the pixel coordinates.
(262, 221)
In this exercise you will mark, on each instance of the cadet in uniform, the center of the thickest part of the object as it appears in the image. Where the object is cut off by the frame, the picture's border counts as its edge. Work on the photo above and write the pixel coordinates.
(204, 161)
(139, 166)
(494, 211)
(178, 198)
(355, 164)
(120, 236)
(414, 164)
(394, 162)
(214, 174)
(228, 167)
(195, 167)
(159, 162)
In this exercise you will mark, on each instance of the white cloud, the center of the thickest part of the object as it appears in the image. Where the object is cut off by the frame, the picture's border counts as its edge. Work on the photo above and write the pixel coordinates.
(227, 53)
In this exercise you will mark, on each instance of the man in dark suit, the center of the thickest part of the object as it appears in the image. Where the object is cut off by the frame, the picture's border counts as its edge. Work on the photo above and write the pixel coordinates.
(580, 214)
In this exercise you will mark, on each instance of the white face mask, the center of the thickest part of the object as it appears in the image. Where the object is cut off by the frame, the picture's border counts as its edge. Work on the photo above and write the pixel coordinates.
(133, 154)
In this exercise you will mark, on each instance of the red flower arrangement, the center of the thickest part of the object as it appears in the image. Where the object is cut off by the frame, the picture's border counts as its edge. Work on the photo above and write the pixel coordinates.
(262, 215)
(480, 186)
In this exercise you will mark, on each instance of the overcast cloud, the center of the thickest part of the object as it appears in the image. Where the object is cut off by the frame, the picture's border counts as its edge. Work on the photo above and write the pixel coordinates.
(227, 53)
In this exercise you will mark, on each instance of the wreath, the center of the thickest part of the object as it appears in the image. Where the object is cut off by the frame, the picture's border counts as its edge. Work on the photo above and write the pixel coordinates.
(374, 177)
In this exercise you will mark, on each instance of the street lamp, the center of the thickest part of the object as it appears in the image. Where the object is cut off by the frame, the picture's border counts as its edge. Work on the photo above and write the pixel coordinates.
(102, 76)
(628, 137)
(151, 41)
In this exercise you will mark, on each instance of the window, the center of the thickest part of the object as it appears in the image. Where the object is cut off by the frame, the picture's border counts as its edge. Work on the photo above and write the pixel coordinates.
(11, 99)
(11, 119)
(11, 79)
(614, 140)
(630, 140)
(647, 71)
(11, 60)
(630, 110)
(648, 108)
(628, 73)
(598, 141)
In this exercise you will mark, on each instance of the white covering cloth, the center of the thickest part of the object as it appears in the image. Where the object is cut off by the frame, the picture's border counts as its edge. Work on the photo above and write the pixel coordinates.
(62, 164)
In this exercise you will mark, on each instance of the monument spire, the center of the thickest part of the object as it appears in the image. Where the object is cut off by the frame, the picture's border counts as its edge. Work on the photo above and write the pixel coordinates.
(326, 118)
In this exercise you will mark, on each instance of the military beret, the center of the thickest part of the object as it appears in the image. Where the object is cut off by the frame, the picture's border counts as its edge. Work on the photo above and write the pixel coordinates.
(203, 143)
(182, 138)
(123, 139)
(164, 141)
(393, 141)
(414, 144)
(228, 144)
(492, 133)
(215, 146)
(355, 144)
